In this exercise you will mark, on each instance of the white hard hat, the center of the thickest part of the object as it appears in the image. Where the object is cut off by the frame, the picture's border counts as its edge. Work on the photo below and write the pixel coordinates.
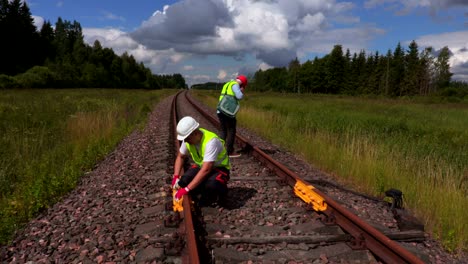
(185, 127)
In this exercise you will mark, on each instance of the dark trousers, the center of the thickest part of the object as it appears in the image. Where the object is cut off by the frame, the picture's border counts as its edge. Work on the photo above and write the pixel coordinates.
(213, 187)
(228, 131)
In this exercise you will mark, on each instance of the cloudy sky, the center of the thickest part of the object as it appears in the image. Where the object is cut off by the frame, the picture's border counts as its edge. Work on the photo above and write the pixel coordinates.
(213, 40)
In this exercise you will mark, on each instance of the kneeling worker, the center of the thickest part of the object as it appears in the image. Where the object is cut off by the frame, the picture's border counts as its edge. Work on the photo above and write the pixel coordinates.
(209, 175)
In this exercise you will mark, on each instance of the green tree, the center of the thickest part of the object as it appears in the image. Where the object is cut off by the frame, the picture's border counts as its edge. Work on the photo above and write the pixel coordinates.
(335, 68)
(347, 85)
(385, 81)
(357, 73)
(61, 57)
(373, 74)
(293, 70)
(66, 34)
(179, 81)
(259, 82)
(442, 69)
(427, 71)
(397, 71)
(80, 53)
(130, 71)
(46, 38)
(116, 72)
(413, 71)
(318, 77)
(61, 39)
(305, 74)
(18, 49)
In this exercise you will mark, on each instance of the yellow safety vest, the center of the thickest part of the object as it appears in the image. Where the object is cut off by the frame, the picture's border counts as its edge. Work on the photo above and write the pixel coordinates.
(227, 89)
(197, 155)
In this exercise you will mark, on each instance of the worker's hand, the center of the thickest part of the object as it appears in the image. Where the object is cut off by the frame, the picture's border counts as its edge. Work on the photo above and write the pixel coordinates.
(181, 192)
(175, 182)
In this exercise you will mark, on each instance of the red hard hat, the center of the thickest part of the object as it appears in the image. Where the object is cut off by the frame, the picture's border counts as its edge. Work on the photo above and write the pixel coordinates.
(243, 79)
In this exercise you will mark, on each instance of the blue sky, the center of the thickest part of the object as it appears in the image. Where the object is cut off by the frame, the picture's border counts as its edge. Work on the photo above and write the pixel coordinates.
(214, 40)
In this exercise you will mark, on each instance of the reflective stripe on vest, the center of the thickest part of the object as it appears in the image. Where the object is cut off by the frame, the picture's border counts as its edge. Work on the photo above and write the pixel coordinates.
(227, 89)
(222, 160)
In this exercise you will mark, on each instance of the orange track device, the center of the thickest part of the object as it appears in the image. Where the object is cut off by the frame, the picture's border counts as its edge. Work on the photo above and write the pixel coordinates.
(308, 195)
(177, 204)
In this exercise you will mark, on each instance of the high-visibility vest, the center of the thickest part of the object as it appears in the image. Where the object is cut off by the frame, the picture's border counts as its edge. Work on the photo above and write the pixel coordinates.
(197, 154)
(227, 89)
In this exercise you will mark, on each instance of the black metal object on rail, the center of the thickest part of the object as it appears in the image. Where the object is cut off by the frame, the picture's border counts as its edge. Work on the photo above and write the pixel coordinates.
(364, 235)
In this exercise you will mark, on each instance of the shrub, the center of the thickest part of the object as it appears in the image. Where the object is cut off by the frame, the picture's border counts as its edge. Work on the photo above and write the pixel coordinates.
(459, 92)
(36, 77)
(8, 82)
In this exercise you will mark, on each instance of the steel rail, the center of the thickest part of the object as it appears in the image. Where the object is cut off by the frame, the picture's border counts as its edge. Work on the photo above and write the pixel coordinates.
(364, 235)
(188, 229)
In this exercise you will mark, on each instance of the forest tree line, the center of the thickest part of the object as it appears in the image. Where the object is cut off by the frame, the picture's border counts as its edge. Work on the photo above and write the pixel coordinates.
(398, 73)
(59, 58)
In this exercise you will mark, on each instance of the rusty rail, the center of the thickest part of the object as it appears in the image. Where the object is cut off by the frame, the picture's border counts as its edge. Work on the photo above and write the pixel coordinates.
(188, 229)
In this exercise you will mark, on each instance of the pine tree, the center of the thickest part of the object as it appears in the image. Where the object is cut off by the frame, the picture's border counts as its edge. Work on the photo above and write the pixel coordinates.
(397, 71)
(18, 50)
(46, 38)
(335, 68)
(318, 79)
(347, 84)
(373, 74)
(413, 73)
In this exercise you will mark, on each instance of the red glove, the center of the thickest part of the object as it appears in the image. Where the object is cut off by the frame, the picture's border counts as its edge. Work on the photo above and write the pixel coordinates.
(175, 179)
(181, 192)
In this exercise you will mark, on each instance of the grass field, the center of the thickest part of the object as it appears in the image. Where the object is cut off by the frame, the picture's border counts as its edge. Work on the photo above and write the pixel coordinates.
(418, 147)
(49, 138)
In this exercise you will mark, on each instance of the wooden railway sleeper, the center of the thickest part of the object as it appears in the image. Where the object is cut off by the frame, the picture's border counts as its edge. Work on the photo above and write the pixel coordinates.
(328, 219)
(282, 182)
(168, 206)
(172, 220)
(175, 246)
(358, 242)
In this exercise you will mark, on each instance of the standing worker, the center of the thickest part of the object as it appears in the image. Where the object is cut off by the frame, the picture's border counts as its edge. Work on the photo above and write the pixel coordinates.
(209, 176)
(233, 90)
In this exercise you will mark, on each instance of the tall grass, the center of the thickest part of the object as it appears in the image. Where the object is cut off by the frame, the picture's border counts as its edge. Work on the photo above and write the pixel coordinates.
(377, 144)
(49, 138)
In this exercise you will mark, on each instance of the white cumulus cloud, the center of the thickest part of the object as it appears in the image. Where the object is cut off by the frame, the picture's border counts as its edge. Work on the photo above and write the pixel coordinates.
(260, 34)
(457, 42)
(273, 31)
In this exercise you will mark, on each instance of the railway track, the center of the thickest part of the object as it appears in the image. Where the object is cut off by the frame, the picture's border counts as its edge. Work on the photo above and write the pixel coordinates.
(122, 212)
(271, 215)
